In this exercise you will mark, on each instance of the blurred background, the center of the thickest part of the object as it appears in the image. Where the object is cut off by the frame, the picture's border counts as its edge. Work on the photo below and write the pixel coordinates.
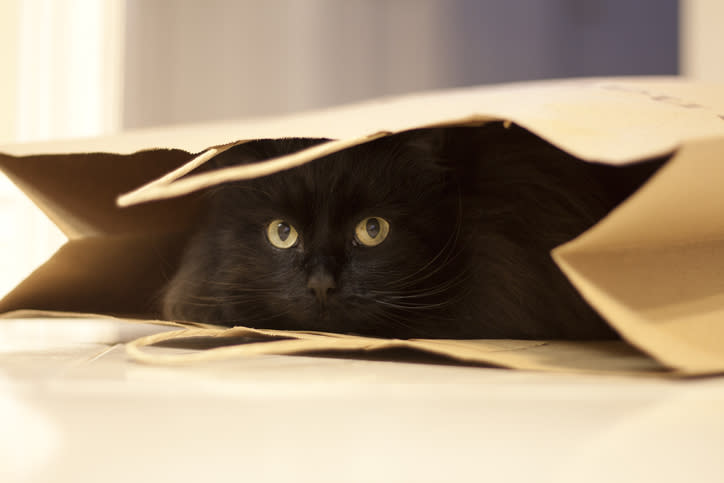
(74, 68)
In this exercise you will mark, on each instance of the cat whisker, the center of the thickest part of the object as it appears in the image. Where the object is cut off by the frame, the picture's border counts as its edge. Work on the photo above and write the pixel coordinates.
(440, 253)
(387, 318)
(251, 320)
(408, 301)
(440, 267)
(415, 307)
(241, 291)
(448, 250)
(428, 292)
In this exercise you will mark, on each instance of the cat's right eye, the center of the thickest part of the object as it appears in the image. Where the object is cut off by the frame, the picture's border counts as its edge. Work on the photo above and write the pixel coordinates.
(282, 234)
(371, 231)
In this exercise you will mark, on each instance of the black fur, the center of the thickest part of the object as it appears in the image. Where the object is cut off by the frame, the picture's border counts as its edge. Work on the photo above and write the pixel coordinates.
(473, 215)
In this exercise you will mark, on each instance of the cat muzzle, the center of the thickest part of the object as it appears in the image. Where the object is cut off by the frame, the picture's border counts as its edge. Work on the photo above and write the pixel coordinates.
(321, 282)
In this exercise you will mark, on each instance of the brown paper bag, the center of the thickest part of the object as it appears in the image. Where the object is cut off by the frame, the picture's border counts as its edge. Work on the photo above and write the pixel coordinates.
(654, 268)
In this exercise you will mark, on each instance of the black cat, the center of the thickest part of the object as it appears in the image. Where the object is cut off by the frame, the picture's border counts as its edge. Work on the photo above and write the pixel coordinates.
(438, 233)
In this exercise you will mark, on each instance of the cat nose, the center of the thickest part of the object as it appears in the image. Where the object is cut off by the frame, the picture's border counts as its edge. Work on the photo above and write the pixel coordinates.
(321, 282)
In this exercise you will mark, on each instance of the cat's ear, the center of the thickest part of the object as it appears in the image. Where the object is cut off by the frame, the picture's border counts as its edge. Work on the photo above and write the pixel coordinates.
(430, 140)
(240, 154)
(428, 147)
(245, 153)
(260, 150)
(455, 150)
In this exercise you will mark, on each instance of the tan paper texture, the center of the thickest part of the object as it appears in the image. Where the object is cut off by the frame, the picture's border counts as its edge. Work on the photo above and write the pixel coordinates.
(654, 268)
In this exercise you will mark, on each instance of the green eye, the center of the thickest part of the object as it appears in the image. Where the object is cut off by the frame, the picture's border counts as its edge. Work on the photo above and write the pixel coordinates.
(282, 234)
(371, 231)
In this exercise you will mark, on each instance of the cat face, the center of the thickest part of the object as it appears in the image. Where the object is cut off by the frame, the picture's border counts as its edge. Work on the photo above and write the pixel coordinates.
(431, 233)
(364, 241)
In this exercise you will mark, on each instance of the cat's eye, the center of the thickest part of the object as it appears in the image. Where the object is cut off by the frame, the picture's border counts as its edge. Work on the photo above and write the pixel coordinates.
(371, 231)
(282, 234)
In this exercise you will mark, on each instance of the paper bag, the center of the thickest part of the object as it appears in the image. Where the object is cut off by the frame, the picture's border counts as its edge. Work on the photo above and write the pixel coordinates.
(653, 268)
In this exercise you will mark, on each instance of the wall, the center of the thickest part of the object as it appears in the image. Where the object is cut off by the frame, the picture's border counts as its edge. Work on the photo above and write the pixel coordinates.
(702, 39)
(192, 61)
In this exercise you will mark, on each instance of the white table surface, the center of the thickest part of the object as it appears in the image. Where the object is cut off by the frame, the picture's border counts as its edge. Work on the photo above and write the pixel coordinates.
(73, 408)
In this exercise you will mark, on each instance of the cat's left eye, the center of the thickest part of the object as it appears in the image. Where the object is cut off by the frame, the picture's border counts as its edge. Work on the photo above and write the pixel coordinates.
(371, 231)
(282, 234)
